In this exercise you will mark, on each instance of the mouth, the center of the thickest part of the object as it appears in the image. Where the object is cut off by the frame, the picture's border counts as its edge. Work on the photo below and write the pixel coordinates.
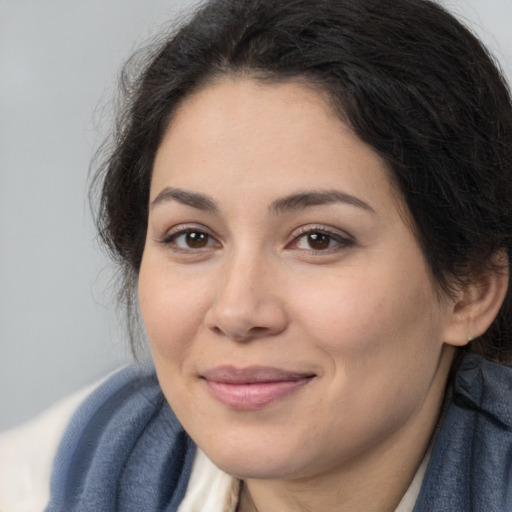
(254, 387)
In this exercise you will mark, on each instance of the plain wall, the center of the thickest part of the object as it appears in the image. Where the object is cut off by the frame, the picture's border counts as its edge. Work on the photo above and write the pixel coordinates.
(59, 60)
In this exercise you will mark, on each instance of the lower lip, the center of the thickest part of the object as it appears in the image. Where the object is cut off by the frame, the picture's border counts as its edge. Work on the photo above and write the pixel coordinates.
(256, 395)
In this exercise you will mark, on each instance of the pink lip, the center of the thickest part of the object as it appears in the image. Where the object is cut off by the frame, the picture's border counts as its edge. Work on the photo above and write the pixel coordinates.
(253, 387)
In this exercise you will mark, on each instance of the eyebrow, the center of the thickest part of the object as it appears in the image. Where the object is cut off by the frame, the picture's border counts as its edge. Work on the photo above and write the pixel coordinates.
(193, 199)
(307, 199)
(294, 202)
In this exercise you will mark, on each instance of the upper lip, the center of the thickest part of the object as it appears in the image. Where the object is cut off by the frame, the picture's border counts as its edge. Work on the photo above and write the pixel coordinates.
(252, 374)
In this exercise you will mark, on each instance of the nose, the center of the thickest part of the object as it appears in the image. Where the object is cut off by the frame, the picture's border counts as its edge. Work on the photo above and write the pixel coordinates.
(247, 303)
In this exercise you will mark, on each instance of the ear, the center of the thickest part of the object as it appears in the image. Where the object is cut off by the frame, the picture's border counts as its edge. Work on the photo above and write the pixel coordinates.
(478, 303)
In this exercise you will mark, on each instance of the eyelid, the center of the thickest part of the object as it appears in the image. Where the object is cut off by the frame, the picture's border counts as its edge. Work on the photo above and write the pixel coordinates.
(321, 228)
(182, 229)
(343, 238)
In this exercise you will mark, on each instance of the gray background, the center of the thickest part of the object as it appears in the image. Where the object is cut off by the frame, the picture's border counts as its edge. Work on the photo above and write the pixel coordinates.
(59, 60)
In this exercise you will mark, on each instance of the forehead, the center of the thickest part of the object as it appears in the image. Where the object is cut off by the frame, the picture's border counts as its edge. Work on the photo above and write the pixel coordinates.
(238, 134)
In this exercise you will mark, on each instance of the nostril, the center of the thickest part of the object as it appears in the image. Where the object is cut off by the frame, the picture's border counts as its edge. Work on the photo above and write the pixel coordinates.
(254, 333)
(259, 331)
(217, 330)
(243, 336)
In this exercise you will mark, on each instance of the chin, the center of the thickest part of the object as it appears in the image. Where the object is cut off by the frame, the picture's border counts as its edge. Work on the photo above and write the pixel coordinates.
(253, 469)
(257, 462)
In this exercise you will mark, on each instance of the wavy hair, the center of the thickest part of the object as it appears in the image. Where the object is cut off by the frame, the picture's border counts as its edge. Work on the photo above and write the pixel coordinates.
(409, 79)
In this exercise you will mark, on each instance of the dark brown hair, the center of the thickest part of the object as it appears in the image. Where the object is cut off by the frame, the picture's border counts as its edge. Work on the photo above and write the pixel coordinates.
(405, 75)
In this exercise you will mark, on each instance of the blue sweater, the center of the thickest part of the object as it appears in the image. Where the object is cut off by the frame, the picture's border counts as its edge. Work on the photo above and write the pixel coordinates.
(125, 450)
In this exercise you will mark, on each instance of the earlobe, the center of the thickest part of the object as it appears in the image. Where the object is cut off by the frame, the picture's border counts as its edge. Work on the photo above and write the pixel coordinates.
(478, 303)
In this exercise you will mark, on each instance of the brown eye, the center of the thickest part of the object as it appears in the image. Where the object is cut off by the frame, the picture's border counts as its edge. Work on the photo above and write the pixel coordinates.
(196, 239)
(190, 239)
(318, 241)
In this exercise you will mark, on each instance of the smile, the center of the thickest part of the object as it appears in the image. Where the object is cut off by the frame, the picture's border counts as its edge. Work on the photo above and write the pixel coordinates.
(252, 388)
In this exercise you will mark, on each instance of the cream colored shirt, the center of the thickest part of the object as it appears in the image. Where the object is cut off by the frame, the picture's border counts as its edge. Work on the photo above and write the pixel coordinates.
(27, 453)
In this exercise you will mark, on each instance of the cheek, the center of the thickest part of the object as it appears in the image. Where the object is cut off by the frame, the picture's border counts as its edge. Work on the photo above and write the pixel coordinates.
(374, 321)
(383, 351)
(171, 310)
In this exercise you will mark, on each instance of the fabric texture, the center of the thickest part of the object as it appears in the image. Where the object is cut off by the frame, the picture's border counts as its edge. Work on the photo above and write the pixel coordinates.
(123, 451)
(470, 468)
(126, 451)
(27, 453)
(209, 488)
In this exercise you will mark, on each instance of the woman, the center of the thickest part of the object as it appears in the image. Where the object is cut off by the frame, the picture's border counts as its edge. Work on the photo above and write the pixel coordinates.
(310, 201)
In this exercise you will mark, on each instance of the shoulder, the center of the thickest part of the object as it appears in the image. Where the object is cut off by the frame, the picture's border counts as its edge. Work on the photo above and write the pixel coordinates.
(44, 448)
(121, 445)
(27, 453)
(470, 468)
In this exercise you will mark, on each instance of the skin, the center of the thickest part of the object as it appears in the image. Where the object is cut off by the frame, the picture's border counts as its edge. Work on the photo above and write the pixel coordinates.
(352, 303)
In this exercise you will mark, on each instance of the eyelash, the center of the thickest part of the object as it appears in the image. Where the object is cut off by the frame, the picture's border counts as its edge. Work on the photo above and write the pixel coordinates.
(170, 239)
(340, 242)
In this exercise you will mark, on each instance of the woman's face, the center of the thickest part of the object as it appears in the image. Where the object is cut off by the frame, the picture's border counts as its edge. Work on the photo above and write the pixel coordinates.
(291, 316)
